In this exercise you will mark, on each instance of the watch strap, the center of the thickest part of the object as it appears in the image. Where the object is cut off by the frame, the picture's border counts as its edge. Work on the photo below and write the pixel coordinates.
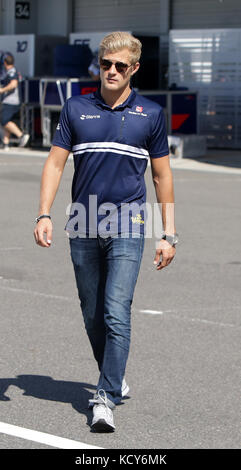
(43, 216)
(172, 239)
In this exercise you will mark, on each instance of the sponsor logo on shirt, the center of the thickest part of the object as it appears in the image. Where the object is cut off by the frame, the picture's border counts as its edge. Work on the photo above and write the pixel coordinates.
(138, 219)
(139, 113)
(139, 109)
(89, 116)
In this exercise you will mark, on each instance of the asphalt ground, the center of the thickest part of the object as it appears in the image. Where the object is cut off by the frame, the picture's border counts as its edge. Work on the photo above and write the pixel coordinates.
(184, 364)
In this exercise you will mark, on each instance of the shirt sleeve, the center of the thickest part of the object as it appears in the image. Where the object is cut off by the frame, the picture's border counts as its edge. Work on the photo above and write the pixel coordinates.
(158, 146)
(12, 75)
(63, 134)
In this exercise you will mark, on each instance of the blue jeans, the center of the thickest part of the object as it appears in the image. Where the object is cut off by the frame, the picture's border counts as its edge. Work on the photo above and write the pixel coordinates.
(106, 271)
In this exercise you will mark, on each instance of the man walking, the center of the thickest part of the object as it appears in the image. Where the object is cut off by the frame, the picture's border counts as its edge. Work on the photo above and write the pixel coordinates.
(11, 103)
(111, 133)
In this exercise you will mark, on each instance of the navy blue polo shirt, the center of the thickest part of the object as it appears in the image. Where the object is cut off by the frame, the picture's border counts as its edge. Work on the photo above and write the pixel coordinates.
(111, 148)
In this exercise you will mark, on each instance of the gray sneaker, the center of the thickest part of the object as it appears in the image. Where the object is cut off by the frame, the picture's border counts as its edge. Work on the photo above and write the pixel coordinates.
(24, 140)
(102, 415)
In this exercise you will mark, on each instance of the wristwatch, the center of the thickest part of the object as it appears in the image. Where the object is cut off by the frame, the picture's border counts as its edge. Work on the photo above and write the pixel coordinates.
(172, 239)
(42, 217)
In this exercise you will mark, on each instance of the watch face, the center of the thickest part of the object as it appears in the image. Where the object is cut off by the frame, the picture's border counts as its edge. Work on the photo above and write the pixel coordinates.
(172, 239)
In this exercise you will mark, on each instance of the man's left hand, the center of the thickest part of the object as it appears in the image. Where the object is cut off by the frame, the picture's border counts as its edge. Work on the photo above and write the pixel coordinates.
(166, 251)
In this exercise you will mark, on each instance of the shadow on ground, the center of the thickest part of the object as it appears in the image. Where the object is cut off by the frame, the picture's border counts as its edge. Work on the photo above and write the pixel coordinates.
(46, 388)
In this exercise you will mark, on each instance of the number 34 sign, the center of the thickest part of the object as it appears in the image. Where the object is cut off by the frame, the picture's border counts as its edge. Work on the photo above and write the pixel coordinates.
(22, 10)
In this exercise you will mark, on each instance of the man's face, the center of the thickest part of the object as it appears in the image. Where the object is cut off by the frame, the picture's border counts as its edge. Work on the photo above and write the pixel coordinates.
(111, 78)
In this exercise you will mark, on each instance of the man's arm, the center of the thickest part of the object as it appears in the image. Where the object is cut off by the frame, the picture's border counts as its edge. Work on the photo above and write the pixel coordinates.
(163, 182)
(11, 86)
(51, 176)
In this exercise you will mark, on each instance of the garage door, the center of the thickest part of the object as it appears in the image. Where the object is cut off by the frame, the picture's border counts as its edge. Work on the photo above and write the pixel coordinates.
(110, 15)
(193, 14)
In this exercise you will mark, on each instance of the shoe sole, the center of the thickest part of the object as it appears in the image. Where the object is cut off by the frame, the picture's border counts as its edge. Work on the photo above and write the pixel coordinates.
(102, 426)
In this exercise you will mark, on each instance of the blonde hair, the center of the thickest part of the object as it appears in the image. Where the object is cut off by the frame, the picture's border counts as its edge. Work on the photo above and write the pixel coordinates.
(118, 40)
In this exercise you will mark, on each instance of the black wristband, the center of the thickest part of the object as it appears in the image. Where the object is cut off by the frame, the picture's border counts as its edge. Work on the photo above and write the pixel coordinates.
(42, 217)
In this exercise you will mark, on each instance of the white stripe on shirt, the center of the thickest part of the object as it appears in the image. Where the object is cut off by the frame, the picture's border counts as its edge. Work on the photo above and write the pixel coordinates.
(109, 145)
(121, 152)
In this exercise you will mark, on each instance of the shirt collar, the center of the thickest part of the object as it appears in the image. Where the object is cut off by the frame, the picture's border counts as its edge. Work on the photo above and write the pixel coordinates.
(100, 101)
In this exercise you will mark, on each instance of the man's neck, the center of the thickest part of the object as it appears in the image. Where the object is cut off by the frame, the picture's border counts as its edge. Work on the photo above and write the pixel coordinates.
(115, 98)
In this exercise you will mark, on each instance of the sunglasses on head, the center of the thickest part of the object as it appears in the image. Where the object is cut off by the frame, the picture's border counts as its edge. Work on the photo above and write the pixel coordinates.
(120, 66)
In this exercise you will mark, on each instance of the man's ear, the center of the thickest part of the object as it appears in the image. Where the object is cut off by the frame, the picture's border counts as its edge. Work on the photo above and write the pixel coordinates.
(136, 67)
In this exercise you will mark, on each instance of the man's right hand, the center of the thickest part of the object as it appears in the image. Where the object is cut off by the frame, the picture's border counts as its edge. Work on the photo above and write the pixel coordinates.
(44, 226)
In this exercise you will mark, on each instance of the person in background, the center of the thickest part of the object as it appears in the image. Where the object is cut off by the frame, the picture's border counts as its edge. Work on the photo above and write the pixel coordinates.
(94, 68)
(11, 103)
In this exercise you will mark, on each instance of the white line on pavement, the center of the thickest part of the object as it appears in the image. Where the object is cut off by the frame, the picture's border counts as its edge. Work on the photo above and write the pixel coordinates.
(43, 438)
(204, 320)
(171, 313)
(30, 292)
(152, 312)
(12, 248)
